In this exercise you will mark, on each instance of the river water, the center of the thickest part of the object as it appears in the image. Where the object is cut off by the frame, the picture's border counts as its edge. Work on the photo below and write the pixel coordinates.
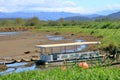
(21, 66)
(17, 67)
(8, 33)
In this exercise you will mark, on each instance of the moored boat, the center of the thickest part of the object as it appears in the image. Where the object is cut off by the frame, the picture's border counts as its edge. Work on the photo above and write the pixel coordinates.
(48, 54)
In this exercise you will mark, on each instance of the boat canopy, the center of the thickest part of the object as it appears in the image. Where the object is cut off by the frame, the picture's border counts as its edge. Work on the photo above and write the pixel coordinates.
(67, 44)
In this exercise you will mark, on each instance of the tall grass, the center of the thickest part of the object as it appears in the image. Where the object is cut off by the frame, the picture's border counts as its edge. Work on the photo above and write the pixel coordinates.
(72, 73)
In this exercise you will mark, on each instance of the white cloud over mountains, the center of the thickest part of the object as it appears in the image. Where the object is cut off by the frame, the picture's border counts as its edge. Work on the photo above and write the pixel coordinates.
(17, 5)
(48, 5)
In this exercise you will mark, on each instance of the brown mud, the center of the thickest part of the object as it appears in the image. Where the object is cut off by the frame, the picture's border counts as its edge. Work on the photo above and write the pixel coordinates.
(21, 47)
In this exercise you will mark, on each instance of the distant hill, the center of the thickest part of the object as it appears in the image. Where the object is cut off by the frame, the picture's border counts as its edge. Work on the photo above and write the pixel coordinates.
(107, 12)
(114, 15)
(93, 16)
(85, 17)
(40, 15)
(56, 15)
(7, 18)
(48, 15)
(81, 18)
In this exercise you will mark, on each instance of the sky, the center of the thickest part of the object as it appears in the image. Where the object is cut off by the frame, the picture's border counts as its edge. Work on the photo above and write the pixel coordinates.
(74, 6)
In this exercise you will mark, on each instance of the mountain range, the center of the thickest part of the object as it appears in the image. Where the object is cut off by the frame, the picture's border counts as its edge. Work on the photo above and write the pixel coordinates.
(40, 15)
(56, 15)
(114, 15)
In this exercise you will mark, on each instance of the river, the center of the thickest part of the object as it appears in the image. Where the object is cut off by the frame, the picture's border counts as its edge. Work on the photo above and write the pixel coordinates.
(8, 33)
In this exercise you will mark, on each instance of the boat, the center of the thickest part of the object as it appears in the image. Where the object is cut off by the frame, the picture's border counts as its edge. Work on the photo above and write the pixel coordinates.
(48, 52)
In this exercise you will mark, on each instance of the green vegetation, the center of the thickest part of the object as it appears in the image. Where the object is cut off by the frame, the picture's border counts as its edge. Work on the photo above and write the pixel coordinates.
(107, 36)
(106, 29)
(98, 23)
(72, 73)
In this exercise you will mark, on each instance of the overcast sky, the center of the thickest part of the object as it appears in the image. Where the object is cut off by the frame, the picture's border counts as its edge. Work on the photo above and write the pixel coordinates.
(75, 6)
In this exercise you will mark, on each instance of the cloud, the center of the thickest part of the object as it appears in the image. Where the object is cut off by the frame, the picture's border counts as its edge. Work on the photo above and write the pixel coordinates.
(16, 5)
(112, 7)
(50, 5)
(40, 5)
(65, 9)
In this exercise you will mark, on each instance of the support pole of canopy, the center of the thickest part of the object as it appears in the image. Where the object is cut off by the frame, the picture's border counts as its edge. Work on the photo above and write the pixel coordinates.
(76, 47)
(65, 49)
(41, 51)
(51, 50)
(45, 50)
(60, 49)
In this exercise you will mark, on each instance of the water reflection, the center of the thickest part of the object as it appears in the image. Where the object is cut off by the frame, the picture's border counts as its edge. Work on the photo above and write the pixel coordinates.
(50, 37)
(9, 70)
(16, 64)
(18, 67)
(79, 48)
(8, 33)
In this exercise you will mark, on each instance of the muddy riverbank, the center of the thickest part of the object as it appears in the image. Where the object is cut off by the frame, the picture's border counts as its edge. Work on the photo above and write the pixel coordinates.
(22, 46)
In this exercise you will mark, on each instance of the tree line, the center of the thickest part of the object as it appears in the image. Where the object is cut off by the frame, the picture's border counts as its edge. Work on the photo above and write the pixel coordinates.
(98, 23)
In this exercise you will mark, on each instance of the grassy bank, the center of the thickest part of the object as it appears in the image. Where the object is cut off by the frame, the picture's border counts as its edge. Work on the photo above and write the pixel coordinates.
(73, 73)
(108, 36)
